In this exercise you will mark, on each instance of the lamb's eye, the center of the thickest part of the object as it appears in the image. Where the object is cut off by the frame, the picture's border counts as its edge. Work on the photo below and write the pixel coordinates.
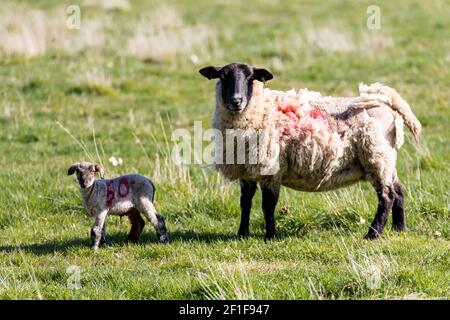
(222, 76)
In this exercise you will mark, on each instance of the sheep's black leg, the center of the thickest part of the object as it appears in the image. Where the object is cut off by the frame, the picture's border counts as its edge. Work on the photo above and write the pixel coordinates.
(270, 196)
(398, 215)
(248, 189)
(385, 203)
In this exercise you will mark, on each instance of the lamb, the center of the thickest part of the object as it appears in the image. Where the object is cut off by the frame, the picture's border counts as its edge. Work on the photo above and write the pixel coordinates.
(319, 143)
(125, 195)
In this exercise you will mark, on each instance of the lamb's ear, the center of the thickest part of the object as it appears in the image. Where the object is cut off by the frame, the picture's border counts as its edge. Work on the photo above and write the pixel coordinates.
(210, 72)
(98, 168)
(72, 169)
(262, 74)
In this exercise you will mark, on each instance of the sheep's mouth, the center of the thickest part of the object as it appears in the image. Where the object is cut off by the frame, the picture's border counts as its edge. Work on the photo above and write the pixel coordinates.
(84, 185)
(236, 108)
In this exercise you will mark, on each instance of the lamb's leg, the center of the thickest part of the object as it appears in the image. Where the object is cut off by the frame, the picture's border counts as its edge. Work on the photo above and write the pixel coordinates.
(385, 203)
(270, 193)
(398, 216)
(103, 240)
(149, 211)
(248, 189)
(96, 231)
(137, 225)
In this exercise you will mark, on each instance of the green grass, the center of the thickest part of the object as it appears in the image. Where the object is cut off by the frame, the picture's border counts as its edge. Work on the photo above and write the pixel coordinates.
(131, 104)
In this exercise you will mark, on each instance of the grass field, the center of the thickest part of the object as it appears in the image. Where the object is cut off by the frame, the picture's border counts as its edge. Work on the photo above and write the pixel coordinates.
(120, 85)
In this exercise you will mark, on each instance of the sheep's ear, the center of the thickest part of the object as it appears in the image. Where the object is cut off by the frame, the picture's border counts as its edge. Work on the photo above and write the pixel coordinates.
(72, 169)
(210, 72)
(262, 75)
(97, 168)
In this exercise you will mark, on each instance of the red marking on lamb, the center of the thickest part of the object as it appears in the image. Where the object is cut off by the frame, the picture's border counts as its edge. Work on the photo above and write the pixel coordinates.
(124, 187)
(110, 194)
(116, 190)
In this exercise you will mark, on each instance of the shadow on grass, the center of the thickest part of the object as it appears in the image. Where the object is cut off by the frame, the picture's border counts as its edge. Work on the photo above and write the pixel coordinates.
(117, 239)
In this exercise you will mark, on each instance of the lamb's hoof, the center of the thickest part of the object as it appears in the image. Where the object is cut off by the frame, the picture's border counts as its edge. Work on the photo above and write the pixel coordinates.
(105, 244)
(94, 248)
(164, 239)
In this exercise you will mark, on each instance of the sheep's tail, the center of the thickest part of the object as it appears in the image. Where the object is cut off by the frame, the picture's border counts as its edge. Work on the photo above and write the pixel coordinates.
(396, 102)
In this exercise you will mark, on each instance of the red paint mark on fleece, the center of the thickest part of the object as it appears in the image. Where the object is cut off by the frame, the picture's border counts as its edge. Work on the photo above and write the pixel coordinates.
(123, 189)
(110, 194)
(301, 118)
(290, 109)
(317, 114)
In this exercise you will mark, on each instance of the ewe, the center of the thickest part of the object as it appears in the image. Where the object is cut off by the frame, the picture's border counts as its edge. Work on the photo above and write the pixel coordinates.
(321, 143)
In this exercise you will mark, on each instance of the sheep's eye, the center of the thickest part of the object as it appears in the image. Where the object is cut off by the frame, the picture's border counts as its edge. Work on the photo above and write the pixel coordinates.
(222, 76)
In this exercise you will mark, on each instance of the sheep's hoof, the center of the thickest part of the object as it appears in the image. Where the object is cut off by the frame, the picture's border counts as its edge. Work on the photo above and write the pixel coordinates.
(94, 248)
(105, 244)
(399, 228)
(372, 235)
(243, 235)
(270, 237)
(132, 239)
(164, 239)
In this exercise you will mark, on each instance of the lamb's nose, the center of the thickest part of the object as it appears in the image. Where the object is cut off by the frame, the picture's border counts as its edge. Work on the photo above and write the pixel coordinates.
(236, 99)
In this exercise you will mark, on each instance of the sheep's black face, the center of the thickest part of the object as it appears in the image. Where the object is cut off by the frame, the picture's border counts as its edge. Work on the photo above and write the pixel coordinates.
(85, 173)
(236, 82)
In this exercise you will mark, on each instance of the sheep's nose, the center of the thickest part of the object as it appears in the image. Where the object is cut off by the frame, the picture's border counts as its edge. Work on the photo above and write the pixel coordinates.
(236, 100)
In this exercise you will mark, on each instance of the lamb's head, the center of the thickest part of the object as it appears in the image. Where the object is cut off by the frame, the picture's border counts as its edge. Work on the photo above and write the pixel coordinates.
(236, 82)
(85, 173)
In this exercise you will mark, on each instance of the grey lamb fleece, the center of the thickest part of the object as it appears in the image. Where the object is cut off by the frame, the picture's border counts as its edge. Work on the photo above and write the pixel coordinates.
(125, 195)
